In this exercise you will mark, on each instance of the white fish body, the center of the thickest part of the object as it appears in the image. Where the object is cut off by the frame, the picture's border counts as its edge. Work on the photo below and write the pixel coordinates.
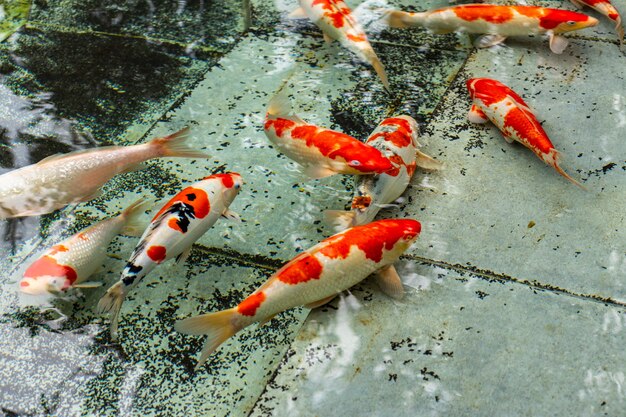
(69, 263)
(75, 177)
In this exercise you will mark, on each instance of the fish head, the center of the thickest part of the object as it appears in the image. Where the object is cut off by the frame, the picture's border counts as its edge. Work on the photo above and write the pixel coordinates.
(410, 230)
(561, 21)
(44, 284)
(231, 183)
(401, 233)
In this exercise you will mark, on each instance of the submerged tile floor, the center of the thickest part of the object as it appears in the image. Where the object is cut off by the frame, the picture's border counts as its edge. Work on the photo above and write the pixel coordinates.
(516, 292)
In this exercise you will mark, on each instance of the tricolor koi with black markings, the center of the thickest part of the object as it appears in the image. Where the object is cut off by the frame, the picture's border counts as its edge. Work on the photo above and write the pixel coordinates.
(495, 102)
(69, 263)
(396, 138)
(172, 232)
(76, 177)
(313, 278)
(496, 22)
(337, 22)
(607, 9)
(321, 152)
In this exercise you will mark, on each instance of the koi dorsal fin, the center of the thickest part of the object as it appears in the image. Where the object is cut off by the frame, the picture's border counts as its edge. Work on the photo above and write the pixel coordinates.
(280, 107)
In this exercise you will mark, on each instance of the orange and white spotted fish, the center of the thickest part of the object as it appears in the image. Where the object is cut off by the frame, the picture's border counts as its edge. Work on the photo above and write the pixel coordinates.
(172, 232)
(496, 22)
(396, 138)
(606, 8)
(76, 177)
(321, 152)
(69, 263)
(495, 102)
(337, 22)
(313, 278)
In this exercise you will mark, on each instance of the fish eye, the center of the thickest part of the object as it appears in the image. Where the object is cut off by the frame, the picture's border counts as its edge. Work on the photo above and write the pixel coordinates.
(237, 186)
(355, 163)
(571, 23)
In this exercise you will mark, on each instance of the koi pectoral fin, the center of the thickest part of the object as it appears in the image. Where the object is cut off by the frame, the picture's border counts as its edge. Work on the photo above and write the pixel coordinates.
(89, 284)
(231, 215)
(389, 282)
(316, 172)
(476, 115)
(299, 13)
(320, 303)
(558, 43)
(427, 162)
(327, 38)
(487, 41)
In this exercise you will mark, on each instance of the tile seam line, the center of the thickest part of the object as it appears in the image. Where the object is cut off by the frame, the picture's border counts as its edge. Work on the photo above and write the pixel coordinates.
(42, 27)
(492, 276)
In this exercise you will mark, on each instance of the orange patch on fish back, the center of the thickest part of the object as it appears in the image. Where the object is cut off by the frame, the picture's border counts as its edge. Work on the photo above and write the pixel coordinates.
(280, 125)
(335, 10)
(398, 163)
(488, 13)
(529, 129)
(157, 253)
(227, 179)
(47, 265)
(370, 238)
(302, 268)
(249, 306)
(58, 248)
(491, 91)
(339, 145)
(356, 38)
(194, 197)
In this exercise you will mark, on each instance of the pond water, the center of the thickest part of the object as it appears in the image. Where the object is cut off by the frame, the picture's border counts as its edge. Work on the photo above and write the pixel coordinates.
(515, 290)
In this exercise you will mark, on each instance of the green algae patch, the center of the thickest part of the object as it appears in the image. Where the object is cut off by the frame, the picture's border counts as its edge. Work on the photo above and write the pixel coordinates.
(13, 15)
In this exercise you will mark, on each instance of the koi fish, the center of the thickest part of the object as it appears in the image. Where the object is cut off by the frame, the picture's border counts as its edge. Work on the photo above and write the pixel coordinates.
(606, 8)
(396, 138)
(172, 232)
(76, 177)
(321, 152)
(314, 278)
(497, 22)
(69, 263)
(336, 21)
(495, 102)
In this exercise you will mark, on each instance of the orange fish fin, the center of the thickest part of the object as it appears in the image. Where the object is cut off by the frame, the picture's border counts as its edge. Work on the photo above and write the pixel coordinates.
(557, 155)
(280, 107)
(378, 67)
(339, 219)
(218, 327)
(175, 145)
(389, 282)
(400, 19)
(327, 38)
(182, 257)
(320, 303)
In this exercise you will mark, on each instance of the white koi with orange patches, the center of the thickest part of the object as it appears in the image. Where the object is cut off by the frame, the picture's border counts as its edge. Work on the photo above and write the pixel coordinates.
(311, 278)
(497, 103)
(77, 176)
(173, 230)
(396, 138)
(321, 152)
(337, 22)
(69, 263)
(497, 21)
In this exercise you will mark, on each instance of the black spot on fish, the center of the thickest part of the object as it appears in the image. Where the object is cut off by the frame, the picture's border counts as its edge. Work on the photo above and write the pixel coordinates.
(191, 196)
(184, 213)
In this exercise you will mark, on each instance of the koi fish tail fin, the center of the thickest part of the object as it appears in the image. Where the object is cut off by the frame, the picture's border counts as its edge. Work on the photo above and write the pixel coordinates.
(373, 59)
(218, 327)
(132, 225)
(175, 145)
(556, 155)
(111, 303)
(340, 220)
(280, 107)
(400, 19)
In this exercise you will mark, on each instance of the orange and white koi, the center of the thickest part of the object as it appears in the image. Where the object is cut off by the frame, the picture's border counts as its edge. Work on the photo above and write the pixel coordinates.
(69, 263)
(337, 22)
(76, 177)
(495, 102)
(321, 152)
(396, 138)
(606, 8)
(313, 278)
(496, 22)
(172, 232)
